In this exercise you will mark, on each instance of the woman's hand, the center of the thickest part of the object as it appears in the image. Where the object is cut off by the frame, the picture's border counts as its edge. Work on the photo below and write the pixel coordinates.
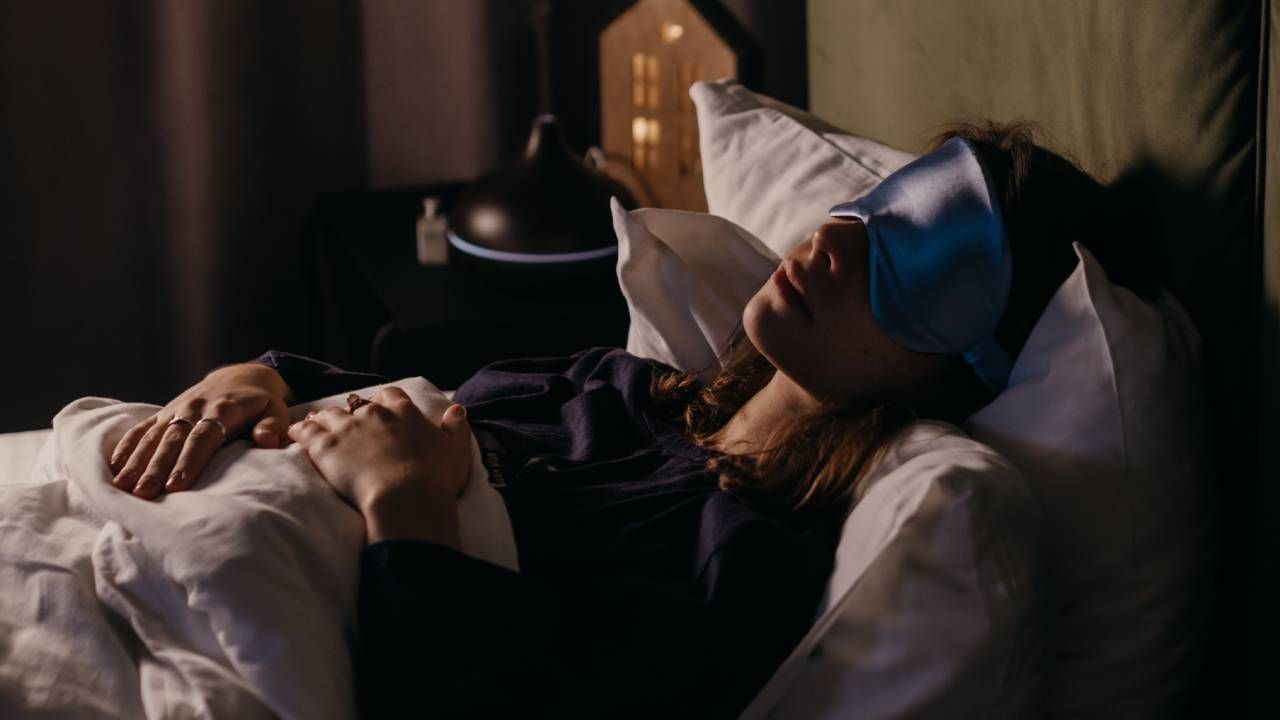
(169, 450)
(400, 470)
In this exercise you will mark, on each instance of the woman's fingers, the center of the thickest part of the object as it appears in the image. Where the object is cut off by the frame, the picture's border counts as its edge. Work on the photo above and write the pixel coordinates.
(454, 420)
(391, 396)
(455, 426)
(332, 419)
(272, 430)
(124, 448)
(127, 478)
(304, 431)
(202, 442)
(172, 439)
(375, 409)
(457, 431)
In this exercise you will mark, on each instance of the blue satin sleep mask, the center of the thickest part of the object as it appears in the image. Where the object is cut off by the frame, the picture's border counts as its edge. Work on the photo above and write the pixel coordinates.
(939, 263)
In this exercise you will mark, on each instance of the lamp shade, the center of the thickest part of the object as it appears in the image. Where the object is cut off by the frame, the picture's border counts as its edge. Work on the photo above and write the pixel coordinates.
(541, 222)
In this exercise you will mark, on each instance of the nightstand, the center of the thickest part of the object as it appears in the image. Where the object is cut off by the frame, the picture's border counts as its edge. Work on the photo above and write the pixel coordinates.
(375, 308)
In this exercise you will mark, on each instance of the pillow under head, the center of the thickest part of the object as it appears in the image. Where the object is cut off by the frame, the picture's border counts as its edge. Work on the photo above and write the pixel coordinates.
(935, 608)
(933, 583)
(1103, 414)
(774, 170)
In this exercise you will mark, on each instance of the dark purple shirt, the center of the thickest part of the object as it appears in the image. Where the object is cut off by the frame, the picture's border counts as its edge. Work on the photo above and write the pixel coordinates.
(644, 590)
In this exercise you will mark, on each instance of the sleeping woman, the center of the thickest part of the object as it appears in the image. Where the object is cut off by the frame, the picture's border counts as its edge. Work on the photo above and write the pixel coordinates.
(674, 537)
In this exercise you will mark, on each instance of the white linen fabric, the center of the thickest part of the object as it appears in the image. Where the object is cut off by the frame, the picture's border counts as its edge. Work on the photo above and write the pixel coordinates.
(685, 296)
(19, 452)
(775, 170)
(935, 607)
(932, 609)
(233, 600)
(1105, 414)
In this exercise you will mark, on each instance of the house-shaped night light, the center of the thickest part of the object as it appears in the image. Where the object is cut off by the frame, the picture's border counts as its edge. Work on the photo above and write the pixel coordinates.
(649, 56)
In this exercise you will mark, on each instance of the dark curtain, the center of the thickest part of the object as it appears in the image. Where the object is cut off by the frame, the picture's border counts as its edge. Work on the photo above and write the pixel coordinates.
(158, 161)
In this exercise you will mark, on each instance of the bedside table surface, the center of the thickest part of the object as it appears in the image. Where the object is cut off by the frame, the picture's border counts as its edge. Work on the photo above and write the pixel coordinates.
(380, 236)
(451, 305)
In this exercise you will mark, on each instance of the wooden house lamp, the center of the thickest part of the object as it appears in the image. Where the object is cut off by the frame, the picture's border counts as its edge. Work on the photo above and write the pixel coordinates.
(649, 56)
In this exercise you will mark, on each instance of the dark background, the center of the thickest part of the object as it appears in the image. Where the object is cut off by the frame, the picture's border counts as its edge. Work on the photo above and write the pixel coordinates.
(159, 161)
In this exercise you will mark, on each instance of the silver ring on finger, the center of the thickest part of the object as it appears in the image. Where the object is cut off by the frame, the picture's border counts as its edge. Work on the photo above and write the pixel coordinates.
(180, 419)
(216, 422)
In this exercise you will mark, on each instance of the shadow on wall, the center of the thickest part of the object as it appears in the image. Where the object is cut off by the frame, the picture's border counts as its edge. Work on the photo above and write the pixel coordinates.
(1224, 310)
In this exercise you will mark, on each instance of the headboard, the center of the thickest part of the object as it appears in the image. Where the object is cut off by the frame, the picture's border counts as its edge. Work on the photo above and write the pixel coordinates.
(1173, 100)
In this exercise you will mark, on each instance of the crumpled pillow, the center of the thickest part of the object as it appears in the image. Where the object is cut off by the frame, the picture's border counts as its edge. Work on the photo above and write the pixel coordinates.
(933, 607)
(1105, 414)
(686, 277)
(775, 170)
(236, 599)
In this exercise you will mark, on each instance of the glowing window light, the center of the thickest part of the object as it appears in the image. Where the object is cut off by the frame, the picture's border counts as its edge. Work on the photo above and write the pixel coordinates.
(637, 79)
(651, 78)
(639, 130)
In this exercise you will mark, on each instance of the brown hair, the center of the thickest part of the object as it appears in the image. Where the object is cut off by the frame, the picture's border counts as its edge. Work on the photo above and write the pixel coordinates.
(1048, 202)
(815, 463)
(810, 466)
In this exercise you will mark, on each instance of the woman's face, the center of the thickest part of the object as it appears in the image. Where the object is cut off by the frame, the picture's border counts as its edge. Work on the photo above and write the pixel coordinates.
(812, 319)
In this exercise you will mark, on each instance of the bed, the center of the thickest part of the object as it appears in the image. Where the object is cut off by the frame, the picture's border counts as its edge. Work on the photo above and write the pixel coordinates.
(18, 452)
(1172, 101)
(1179, 101)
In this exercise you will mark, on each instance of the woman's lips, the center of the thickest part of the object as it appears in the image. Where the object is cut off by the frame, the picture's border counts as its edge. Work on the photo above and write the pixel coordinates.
(789, 292)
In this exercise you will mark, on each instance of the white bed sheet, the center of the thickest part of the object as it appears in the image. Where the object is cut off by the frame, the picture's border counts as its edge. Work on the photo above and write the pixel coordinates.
(18, 453)
(115, 607)
(19, 450)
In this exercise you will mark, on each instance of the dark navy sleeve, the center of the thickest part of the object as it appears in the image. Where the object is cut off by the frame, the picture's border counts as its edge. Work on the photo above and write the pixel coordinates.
(311, 379)
(555, 406)
(457, 637)
(508, 385)
(451, 636)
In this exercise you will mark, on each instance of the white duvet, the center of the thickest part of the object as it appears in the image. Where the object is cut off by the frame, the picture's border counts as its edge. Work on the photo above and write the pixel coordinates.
(233, 600)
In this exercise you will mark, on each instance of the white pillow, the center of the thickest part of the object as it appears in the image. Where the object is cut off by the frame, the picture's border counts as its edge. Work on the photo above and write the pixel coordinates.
(1104, 413)
(234, 600)
(776, 170)
(1104, 389)
(1106, 386)
(932, 586)
(934, 609)
(685, 296)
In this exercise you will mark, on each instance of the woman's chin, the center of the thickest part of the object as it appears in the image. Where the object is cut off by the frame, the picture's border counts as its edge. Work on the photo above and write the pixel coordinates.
(771, 333)
(755, 318)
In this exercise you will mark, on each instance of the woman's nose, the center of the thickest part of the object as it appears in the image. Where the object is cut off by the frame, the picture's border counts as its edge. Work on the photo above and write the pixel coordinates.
(822, 251)
(835, 244)
(821, 258)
